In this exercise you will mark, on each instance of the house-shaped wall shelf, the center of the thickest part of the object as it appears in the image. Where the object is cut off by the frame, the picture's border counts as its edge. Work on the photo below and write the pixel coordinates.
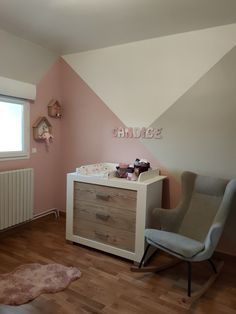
(40, 127)
(54, 109)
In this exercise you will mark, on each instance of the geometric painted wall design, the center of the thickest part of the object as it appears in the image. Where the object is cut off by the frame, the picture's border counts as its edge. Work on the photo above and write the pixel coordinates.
(139, 81)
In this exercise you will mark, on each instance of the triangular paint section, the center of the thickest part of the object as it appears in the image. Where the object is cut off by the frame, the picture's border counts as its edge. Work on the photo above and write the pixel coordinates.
(199, 129)
(87, 127)
(141, 80)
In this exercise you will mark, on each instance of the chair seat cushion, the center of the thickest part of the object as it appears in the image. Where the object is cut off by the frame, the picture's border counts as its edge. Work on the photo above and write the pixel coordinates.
(173, 243)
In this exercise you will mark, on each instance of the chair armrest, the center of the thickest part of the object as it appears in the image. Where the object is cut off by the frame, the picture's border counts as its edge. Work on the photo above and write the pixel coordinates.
(213, 237)
(211, 242)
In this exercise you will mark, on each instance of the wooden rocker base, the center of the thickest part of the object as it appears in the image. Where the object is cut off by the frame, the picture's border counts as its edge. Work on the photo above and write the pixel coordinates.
(188, 301)
(154, 269)
(176, 298)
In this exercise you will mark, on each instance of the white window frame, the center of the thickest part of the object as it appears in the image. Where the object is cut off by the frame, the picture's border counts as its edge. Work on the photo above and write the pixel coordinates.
(24, 153)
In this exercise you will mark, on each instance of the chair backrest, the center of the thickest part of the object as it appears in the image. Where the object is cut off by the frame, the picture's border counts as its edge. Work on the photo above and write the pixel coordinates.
(204, 203)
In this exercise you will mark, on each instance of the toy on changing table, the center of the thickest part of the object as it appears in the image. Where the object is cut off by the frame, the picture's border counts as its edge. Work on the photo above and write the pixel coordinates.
(121, 170)
(141, 165)
(131, 172)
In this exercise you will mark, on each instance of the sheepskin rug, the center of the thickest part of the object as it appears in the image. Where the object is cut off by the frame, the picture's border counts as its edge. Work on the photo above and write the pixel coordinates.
(28, 281)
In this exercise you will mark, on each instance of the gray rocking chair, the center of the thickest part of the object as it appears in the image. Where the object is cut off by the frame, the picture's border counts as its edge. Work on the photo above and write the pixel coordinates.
(191, 231)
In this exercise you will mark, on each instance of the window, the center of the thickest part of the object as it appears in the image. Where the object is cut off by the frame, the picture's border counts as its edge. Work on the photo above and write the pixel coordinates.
(14, 128)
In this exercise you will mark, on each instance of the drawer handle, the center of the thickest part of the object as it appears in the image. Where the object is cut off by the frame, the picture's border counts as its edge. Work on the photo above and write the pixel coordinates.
(101, 235)
(102, 216)
(104, 197)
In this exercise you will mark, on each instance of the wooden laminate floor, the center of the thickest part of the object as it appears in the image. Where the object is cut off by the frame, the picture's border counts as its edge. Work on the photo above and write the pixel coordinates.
(107, 286)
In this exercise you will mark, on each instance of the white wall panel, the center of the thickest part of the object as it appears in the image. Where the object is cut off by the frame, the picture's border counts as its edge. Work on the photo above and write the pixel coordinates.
(23, 60)
(139, 81)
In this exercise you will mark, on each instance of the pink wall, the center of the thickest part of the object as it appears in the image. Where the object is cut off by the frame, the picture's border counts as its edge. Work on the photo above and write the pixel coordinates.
(82, 136)
(46, 164)
(87, 132)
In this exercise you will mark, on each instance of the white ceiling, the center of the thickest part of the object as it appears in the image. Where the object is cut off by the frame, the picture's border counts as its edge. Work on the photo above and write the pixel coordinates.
(68, 26)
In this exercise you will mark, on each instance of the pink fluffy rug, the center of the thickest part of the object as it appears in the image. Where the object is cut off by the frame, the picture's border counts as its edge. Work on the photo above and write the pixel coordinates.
(28, 281)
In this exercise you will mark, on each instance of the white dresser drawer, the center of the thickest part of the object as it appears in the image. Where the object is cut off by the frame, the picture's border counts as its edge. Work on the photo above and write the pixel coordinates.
(105, 195)
(111, 214)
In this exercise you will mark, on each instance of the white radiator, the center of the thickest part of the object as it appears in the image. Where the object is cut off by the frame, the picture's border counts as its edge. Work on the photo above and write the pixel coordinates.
(16, 197)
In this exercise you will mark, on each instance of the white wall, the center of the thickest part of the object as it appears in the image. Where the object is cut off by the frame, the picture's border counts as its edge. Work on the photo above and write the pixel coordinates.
(140, 80)
(23, 60)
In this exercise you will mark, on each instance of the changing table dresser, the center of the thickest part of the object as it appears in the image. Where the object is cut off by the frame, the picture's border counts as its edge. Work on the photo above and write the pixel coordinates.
(111, 214)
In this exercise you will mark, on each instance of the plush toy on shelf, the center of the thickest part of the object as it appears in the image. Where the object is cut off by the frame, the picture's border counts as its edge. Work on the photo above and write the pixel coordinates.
(47, 137)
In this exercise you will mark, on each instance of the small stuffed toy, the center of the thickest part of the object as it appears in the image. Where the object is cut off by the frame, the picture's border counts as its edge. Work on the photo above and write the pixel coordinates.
(47, 137)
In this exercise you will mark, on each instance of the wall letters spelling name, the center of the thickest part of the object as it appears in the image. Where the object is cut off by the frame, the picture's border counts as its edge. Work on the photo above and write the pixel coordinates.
(147, 133)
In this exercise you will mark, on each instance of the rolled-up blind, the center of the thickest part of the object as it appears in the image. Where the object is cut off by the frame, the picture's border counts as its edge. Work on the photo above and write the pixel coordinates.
(17, 89)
